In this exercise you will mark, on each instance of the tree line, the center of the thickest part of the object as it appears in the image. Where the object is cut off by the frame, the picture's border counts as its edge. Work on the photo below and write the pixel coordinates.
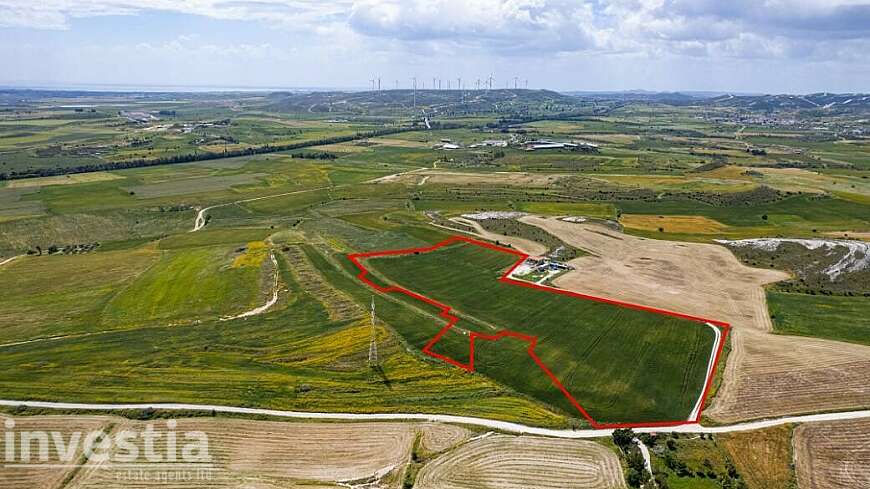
(198, 156)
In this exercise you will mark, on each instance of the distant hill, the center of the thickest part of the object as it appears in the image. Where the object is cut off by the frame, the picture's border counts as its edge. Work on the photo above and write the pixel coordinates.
(813, 101)
(438, 101)
(827, 102)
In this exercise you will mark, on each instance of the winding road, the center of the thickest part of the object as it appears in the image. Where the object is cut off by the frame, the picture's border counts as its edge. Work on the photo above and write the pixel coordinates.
(10, 259)
(200, 220)
(504, 426)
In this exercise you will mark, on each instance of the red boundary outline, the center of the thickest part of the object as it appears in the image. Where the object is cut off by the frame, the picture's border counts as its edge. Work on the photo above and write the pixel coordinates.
(532, 340)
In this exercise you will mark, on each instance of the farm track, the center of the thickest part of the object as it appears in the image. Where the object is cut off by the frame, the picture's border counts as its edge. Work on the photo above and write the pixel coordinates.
(200, 220)
(269, 303)
(10, 259)
(337, 304)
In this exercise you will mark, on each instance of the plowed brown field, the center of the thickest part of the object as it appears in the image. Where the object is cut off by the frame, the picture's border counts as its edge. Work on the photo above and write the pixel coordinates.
(766, 374)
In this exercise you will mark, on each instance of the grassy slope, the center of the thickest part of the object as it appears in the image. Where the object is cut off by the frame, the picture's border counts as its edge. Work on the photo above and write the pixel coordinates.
(830, 317)
(60, 294)
(189, 284)
(655, 377)
(293, 358)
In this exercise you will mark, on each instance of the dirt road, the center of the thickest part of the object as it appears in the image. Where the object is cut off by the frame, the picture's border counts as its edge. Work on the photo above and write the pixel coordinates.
(268, 305)
(505, 426)
(200, 220)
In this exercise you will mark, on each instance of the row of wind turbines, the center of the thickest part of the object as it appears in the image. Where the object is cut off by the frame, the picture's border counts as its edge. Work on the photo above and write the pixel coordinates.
(487, 83)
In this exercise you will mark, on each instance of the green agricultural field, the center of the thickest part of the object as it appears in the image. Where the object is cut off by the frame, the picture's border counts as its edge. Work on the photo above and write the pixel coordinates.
(135, 317)
(293, 358)
(188, 285)
(65, 294)
(839, 318)
(622, 365)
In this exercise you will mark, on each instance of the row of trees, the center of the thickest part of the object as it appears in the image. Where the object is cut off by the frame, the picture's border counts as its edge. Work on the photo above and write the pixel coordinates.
(197, 156)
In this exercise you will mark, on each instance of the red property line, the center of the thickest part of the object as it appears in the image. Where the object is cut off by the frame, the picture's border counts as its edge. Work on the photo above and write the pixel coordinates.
(531, 340)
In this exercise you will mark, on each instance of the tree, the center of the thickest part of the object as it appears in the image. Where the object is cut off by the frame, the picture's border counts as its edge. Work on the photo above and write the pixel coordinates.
(623, 438)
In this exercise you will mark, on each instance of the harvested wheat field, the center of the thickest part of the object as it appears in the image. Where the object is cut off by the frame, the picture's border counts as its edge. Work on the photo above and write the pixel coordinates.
(833, 455)
(266, 454)
(439, 437)
(45, 473)
(763, 457)
(240, 454)
(507, 462)
(673, 224)
(337, 304)
(766, 374)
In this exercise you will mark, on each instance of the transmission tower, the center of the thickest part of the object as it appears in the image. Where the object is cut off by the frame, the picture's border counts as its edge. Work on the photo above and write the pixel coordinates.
(373, 342)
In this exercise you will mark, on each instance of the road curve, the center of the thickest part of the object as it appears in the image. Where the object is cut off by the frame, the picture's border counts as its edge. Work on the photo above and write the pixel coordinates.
(199, 221)
(10, 260)
(440, 418)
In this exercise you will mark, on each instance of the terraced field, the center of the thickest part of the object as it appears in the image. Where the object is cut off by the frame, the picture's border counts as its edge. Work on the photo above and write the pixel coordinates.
(509, 462)
(656, 377)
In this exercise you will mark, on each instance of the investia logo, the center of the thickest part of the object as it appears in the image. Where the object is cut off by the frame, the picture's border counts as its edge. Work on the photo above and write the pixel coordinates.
(126, 447)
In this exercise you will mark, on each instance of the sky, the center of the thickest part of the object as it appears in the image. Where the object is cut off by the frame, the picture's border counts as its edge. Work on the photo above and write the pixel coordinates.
(757, 46)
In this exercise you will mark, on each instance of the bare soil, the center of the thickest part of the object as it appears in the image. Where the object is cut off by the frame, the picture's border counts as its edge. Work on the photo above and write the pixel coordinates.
(766, 375)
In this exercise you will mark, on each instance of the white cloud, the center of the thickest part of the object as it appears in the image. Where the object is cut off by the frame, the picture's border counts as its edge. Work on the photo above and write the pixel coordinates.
(409, 31)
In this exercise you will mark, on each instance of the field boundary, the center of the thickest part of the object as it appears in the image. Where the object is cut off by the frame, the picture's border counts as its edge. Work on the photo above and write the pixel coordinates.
(695, 416)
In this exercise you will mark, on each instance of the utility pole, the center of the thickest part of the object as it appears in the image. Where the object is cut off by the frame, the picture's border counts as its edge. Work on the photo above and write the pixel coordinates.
(415, 92)
(373, 342)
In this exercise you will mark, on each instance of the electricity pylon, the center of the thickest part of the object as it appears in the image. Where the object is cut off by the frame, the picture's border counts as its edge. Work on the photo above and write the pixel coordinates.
(373, 342)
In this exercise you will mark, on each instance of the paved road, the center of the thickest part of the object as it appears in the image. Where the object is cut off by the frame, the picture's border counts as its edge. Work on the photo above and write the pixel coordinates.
(440, 418)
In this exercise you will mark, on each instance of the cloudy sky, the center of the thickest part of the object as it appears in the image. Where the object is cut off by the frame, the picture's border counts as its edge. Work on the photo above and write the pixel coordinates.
(772, 46)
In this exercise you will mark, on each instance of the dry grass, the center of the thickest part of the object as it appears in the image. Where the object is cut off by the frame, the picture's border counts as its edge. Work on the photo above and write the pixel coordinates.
(508, 462)
(98, 176)
(267, 454)
(766, 374)
(254, 255)
(437, 438)
(864, 235)
(833, 455)
(763, 457)
(673, 224)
